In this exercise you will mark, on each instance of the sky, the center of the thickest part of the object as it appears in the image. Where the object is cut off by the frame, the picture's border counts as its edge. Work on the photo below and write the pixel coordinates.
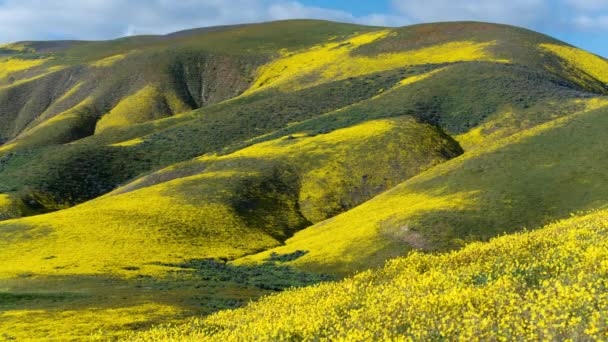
(583, 23)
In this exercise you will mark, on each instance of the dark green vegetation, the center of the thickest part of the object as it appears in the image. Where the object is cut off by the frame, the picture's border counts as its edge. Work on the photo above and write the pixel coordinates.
(266, 276)
(213, 129)
(197, 69)
(192, 172)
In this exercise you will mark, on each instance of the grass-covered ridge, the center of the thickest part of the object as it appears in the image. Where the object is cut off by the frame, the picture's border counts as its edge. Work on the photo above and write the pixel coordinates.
(590, 64)
(549, 284)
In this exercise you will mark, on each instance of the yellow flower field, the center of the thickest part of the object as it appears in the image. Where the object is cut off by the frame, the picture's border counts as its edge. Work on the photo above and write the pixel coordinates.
(544, 285)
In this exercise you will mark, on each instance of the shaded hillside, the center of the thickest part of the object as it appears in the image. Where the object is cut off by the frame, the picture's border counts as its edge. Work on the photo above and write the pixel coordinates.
(524, 181)
(226, 207)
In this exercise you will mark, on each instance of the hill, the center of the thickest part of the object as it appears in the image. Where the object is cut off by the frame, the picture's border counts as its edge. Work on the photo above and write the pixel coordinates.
(148, 179)
(158, 77)
(160, 231)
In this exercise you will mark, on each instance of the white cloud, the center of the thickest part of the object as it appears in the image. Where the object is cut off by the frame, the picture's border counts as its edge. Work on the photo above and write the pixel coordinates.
(588, 15)
(588, 5)
(104, 19)
(384, 20)
(294, 9)
(592, 23)
(518, 12)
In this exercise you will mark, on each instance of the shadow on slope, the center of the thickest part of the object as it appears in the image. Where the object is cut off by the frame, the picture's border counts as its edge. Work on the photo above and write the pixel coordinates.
(228, 206)
(547, 284)
(106, 307)
(527, 180)
(70, 174)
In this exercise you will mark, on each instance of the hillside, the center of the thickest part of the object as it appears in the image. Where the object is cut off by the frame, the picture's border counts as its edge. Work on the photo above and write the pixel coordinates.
(549, 285)
(523, 181)
(148, 179)
(155, 78)
(225, 207)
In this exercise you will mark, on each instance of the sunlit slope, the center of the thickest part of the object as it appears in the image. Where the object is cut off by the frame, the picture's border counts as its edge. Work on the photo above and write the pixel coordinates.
(225, 207)
(545, 285)
(592, 66)
(478, 101)
(526, 180)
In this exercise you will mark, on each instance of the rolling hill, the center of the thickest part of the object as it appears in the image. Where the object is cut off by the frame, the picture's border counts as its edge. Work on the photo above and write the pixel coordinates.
(148, 179)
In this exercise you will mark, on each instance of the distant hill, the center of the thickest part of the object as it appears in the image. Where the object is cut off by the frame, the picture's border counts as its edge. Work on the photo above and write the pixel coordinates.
(192, 172)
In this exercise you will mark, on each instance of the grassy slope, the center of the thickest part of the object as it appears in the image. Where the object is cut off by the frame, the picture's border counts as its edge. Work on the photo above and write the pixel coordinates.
(525, 180)
(213, 207)
(70, 174)
(225, 207)
(155, 77)
(549, 284)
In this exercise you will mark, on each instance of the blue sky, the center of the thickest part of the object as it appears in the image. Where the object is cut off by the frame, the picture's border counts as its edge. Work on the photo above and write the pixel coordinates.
(583, 23)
